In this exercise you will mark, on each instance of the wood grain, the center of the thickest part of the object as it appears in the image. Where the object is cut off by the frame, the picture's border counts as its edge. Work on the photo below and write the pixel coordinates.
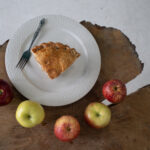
(130, 125)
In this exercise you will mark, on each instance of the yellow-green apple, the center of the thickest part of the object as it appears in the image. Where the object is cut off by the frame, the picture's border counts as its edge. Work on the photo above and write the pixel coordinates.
(97, 115)
(6, 94)
(30, 114)
(114, 91)
(66, 128)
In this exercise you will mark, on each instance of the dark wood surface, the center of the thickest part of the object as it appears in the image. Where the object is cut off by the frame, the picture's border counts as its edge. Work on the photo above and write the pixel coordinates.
(130, 125)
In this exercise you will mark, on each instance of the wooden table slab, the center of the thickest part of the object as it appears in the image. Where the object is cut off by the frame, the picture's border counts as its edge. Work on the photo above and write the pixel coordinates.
(130, 125)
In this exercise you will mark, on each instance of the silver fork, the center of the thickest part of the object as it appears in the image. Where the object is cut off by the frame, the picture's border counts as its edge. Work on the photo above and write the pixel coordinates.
(26, 55)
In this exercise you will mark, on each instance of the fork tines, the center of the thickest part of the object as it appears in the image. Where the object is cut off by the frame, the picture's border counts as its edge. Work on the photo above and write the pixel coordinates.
(22, 62)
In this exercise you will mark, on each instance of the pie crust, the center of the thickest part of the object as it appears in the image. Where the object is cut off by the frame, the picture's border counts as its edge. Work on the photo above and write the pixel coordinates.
(54, 58)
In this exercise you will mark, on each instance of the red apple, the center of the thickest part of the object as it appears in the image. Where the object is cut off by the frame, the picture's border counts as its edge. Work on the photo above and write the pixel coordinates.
(97, 115)
(6, 94)
(66, 128)
(114, 91)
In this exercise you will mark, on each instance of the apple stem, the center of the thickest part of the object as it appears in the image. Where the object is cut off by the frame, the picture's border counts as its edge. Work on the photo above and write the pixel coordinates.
(97, 114)
(68, 128)
(28, 116)
(1, 91)
(115, 88)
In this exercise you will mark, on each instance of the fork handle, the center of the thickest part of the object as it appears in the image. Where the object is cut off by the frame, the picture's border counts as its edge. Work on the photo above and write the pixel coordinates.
(42, 22)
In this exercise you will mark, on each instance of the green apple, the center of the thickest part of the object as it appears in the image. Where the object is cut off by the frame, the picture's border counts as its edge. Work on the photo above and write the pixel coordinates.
(97, 115)
(29, 114)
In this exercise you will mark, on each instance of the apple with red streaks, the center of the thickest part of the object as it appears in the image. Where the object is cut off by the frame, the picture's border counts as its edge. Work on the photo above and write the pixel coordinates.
(114, 91)
(66, 128)
(6, 94)
(97, 115)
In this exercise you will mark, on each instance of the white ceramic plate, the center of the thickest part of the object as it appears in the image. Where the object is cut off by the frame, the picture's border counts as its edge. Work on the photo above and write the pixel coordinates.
(71, 85)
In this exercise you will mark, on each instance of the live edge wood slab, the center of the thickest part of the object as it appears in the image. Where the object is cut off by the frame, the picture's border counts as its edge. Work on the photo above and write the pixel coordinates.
(130, 125)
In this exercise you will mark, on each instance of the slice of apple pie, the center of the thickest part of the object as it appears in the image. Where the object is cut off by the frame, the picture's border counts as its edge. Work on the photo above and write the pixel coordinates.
(54, 58)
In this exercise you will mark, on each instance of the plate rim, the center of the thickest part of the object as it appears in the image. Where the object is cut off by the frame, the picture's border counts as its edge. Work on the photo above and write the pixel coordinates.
(30, 20)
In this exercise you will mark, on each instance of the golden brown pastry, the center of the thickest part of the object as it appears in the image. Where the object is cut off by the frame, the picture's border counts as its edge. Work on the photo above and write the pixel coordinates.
(54, 58)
